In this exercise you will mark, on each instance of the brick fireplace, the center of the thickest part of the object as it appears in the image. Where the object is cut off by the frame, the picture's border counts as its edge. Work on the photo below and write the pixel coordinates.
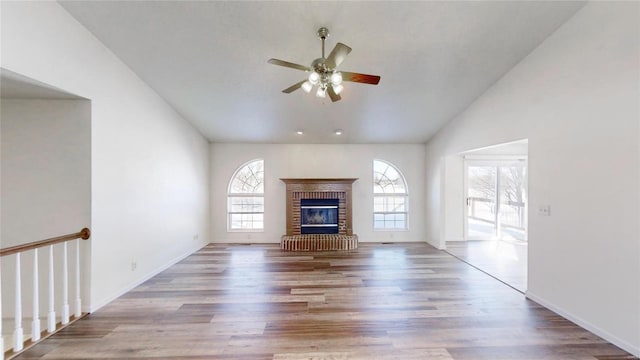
(303, 219)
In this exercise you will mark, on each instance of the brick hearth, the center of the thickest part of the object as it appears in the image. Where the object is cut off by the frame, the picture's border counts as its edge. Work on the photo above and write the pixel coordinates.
(318, 242)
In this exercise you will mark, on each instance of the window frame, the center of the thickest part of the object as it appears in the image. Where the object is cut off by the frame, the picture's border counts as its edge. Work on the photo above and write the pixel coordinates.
(231, 195)
(385, 196)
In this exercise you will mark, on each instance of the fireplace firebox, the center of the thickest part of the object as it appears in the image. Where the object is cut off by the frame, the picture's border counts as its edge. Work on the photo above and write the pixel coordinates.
(319, 216)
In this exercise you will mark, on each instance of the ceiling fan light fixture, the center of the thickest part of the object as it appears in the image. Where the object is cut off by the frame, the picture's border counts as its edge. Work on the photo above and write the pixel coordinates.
(322, 72)
(314, 78)
(336, 78)
(307, 86)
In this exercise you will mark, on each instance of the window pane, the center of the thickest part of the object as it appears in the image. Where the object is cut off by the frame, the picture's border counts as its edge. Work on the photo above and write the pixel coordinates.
(398, 221)
(246, 204)
(390, 221)
(246, 221)
(396, 204)
(387, 179)
(236, 222)
(249, 179)
(389, 203)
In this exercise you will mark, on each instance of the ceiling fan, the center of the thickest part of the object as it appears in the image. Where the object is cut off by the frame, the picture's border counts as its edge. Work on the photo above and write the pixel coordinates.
(323, 73)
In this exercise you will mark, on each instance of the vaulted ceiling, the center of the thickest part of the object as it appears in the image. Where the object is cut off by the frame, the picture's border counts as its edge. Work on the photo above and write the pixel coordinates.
(209, 61)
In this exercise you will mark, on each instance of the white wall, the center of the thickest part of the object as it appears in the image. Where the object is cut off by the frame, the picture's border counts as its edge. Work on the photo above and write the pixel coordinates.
(150, 184)
(576, 99)
(453, 192)
(46, 169)
(317, 161)
(46, 187)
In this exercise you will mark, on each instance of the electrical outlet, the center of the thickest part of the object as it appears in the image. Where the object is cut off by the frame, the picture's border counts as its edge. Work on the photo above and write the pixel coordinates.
(196, 236)
(544, 210)
(134, 265)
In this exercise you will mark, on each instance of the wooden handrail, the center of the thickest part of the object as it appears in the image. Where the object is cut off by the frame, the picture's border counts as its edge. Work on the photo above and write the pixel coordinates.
(84, 234)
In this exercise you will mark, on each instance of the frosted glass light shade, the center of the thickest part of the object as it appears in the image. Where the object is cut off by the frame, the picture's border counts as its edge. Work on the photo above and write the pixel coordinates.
(338, 89)
(314, 78)
(336, 78)
(306, 86)
(321, 93)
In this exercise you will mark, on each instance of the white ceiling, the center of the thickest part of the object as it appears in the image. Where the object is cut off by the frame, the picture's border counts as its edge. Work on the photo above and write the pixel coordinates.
(209, 61)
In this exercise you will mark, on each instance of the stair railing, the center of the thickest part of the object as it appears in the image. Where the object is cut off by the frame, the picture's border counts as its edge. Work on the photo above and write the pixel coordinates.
(18, 250)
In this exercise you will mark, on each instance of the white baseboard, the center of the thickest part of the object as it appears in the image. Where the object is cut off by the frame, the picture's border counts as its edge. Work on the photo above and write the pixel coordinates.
(247, 241)
(456, 239)
(146, 277)
(624, 345)
(389, 241)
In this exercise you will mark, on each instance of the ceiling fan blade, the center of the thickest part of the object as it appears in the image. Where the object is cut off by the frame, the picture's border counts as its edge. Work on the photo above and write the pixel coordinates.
(360, 78)
(288, 64)
(332, 94)
(293, 87)
(337, 55)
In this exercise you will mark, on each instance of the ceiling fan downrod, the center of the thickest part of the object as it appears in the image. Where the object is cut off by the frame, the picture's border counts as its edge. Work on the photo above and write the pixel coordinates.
(323, 33)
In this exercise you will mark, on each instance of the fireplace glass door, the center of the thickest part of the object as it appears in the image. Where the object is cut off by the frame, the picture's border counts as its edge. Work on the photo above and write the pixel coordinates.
(319, 216)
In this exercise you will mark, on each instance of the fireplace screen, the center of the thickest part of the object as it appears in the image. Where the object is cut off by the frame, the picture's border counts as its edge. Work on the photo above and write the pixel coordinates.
(319, 216)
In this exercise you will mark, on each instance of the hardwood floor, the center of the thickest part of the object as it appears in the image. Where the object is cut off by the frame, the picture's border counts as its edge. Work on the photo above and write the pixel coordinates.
(393, 301)
(505, 260)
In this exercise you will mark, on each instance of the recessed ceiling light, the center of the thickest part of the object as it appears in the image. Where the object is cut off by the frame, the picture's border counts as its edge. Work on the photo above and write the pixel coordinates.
(338, 132)
(299, 132)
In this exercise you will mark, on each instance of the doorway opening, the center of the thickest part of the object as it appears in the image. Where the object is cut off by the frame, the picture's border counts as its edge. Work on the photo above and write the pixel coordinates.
(494, 212)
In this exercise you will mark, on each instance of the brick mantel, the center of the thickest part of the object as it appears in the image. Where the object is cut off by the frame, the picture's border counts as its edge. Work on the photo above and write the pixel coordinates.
(298, 189)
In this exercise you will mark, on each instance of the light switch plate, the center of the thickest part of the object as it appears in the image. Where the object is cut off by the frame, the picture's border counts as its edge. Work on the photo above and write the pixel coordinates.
(544, 210)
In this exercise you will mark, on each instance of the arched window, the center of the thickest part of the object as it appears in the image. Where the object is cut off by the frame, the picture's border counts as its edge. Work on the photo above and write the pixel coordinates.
(245, 198)
(390, 197)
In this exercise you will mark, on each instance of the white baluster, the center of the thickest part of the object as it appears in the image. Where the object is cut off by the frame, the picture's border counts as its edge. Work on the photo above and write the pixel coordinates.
(1, 338)
(51, 318)
(35, 324)
(18, 333)
(65, 286)
(78, 311)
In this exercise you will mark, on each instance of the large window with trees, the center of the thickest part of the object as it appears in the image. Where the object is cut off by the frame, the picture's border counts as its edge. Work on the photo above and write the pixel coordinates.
(390, 197)
(245, 198)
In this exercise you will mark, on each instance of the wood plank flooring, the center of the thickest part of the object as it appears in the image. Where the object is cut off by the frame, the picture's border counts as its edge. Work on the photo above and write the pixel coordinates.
(381, 301)
(505, 260)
